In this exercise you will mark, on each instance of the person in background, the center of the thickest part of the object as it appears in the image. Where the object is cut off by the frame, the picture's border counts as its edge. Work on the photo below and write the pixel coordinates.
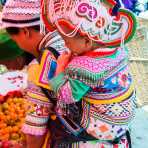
(11, 55)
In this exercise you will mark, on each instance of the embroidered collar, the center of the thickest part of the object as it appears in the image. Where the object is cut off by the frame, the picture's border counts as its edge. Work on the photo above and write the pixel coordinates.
(45, 40)
(54, 40)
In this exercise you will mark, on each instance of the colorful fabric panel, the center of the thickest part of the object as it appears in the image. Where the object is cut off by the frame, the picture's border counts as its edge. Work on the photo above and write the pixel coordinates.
(39, 109)
(105, 88)
(47, 69)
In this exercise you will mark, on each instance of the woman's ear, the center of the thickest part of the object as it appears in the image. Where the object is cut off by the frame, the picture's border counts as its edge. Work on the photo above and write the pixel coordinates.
(26, 32)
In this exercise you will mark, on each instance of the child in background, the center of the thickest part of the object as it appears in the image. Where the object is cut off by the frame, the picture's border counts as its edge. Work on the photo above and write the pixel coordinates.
(96, 98)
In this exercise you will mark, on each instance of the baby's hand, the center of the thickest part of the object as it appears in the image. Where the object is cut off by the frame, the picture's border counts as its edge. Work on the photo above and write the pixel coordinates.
(62, 61)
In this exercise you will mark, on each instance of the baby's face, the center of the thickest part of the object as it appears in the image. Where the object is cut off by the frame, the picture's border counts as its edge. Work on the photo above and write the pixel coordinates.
(78, 45)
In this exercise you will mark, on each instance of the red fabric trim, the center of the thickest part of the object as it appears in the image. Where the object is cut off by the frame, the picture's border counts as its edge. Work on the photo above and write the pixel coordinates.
(94, 54)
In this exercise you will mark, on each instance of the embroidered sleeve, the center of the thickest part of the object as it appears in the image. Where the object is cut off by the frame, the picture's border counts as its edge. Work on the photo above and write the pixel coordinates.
(68, 90)
(39, 109)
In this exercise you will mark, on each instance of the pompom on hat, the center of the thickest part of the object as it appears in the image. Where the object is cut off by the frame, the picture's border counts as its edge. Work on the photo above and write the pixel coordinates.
(101, 20)
(20, 13)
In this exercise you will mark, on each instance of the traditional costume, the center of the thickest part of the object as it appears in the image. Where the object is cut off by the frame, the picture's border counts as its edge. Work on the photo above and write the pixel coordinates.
(96, 97)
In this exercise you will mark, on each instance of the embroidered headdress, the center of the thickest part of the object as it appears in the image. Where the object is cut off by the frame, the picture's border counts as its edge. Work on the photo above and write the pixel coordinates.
(20, 13)
(101, 20)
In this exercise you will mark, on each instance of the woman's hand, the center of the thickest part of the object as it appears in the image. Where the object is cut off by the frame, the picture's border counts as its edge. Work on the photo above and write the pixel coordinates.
(62, 61)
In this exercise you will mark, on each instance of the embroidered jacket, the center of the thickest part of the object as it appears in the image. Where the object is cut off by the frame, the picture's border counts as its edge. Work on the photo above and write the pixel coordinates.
(104, 86)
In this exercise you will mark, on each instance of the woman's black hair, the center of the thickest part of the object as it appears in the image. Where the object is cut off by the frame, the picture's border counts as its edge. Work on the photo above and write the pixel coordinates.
(15, 30)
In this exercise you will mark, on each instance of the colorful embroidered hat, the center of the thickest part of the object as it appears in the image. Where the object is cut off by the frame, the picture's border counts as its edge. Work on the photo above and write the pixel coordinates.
(101, 20)
(20, 13)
